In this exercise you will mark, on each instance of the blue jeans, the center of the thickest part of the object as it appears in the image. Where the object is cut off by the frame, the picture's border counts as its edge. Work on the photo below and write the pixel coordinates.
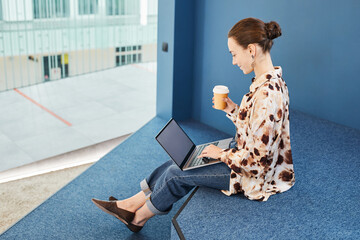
(167, 183)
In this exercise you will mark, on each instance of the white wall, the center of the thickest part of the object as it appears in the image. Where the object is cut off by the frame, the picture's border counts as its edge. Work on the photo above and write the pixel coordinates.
(19, 71)
(149, 53)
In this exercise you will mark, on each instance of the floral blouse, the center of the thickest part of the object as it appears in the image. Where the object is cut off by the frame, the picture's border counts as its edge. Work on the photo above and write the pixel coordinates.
(261, 163)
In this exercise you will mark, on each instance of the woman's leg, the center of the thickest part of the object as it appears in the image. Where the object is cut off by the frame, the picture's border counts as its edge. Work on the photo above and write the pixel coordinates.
(142, 215)
(172, 184)
(133, 203)
(167, 184)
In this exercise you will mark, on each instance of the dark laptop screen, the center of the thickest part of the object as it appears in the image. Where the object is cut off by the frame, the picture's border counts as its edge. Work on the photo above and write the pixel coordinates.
(175, 142)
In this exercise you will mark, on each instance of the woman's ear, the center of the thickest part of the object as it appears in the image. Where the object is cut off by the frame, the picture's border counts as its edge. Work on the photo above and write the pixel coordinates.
(252, 49)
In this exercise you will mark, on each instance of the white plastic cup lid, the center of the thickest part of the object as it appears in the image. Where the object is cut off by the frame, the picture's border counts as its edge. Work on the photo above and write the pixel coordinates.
(221, 89)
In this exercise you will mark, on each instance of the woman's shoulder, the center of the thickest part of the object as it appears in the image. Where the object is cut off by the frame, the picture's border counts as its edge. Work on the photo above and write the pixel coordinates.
(276, 85)
(270, 88)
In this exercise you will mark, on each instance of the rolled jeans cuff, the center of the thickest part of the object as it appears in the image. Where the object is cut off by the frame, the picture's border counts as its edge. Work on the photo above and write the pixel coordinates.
(145, 188)
(153, 209)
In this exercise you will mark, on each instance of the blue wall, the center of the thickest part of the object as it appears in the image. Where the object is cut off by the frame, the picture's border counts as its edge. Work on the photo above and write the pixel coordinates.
(164, 87)
(318, 52)
(175, 67)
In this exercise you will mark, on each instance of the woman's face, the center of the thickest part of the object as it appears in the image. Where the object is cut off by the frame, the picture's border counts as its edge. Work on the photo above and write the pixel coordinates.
(240, 56)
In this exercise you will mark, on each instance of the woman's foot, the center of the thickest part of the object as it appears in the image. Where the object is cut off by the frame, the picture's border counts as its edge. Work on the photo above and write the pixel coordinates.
(138, 224)
(111, 208)
(131, 204)
(114, 199)
(126, 205)
(123, 215)
(142, 215)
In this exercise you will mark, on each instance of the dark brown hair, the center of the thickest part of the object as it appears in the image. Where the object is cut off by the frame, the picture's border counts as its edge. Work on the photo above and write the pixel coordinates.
(253, 30)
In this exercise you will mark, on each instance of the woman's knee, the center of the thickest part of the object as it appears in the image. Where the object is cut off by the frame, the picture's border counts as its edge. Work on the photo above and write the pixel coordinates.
(173, 171)
(175, 176)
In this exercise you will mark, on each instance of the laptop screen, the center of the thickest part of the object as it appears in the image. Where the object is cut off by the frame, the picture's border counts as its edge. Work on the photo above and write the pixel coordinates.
(175, 142)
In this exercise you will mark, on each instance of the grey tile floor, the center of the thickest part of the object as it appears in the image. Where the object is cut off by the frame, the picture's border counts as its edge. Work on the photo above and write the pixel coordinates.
(73, 113)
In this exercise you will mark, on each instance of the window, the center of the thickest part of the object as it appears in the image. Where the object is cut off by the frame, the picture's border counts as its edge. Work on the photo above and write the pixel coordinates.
(88, 7)
(128, 48)
(133, 55)
(53, 63)
(115, 7)
(51, 8)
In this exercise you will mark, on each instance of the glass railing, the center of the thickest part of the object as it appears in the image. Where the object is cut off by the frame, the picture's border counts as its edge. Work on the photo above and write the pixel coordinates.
(45, 40)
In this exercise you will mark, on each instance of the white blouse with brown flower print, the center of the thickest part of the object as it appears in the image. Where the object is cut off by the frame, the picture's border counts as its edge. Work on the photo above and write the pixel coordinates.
(261, 164)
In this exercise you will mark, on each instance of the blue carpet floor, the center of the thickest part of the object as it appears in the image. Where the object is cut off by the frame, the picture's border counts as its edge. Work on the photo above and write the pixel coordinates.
(324, 203)
(70, 214)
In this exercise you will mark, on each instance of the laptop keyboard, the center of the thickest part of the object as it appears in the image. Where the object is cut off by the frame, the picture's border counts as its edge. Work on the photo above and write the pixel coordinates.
(198, 161)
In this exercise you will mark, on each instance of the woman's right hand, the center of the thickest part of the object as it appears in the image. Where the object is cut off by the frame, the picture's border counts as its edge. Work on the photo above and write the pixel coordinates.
(230, 105)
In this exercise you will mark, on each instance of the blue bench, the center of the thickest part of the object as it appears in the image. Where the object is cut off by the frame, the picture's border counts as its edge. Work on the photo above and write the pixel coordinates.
(324, 203)
(70, 214)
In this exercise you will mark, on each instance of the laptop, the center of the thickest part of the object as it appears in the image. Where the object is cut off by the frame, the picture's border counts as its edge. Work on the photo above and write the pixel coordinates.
(182, 150)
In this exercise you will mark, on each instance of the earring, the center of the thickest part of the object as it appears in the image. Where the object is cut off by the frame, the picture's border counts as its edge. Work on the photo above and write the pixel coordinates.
(253, 62)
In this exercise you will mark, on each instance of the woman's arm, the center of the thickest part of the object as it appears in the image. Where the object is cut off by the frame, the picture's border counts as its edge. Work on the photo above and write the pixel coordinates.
(231, 109)
(264, 128)
(232, 115)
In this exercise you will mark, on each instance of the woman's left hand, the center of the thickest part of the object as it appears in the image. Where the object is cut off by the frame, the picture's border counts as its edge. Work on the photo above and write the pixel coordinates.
(211, 151)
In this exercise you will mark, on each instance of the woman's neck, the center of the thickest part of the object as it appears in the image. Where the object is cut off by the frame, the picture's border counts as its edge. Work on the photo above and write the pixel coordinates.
(263, 65)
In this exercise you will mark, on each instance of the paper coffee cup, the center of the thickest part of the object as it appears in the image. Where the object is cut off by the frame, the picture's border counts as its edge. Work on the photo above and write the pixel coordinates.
(220, 92)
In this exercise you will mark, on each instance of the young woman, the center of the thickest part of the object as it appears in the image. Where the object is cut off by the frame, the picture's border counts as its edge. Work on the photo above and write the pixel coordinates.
(260, 165)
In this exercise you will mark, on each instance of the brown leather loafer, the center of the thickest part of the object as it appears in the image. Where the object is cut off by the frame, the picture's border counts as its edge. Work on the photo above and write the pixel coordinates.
(134, 228)
(111, 198)
(123, 215)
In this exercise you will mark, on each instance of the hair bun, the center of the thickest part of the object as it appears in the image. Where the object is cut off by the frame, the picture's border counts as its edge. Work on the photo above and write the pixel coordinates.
(273, 30)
